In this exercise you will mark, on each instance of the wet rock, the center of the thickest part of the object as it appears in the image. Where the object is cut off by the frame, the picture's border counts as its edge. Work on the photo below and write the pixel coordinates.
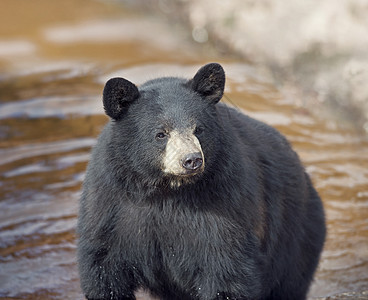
(318, 45)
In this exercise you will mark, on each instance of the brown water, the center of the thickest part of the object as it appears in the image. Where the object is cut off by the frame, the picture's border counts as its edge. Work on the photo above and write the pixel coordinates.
(54, 60)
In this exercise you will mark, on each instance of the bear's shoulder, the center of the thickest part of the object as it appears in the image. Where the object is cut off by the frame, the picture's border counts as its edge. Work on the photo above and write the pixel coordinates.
(248, 129)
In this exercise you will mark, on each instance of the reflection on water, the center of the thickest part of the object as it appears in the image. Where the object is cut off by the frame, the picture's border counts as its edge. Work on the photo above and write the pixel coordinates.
(51, 113)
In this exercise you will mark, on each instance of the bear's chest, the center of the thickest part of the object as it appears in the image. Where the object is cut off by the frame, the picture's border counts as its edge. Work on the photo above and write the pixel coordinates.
(172, 236)
(185, 246)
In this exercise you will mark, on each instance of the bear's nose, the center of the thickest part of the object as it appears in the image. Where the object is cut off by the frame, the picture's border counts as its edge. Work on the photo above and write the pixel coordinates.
(192, 161)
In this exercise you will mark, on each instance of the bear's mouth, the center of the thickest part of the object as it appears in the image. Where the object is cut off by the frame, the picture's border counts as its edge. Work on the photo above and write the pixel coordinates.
(179, 180)
(187, 173)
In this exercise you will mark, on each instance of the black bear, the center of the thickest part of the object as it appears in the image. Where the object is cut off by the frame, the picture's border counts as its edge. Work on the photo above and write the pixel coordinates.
(188, 198)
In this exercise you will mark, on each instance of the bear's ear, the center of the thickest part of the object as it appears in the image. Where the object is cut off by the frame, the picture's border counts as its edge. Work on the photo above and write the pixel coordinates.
(118, 93)
(209, 82)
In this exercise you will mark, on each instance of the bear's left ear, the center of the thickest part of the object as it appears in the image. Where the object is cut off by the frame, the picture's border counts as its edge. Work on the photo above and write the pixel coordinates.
(118, 93)
(209, 82)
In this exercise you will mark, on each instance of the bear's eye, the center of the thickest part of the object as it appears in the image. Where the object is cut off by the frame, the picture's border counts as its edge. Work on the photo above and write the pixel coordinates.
(161, 135)
(198, 130)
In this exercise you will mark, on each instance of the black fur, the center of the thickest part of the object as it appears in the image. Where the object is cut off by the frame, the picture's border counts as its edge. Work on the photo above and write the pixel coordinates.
(209, 82)
(251, 226)
(117, 94)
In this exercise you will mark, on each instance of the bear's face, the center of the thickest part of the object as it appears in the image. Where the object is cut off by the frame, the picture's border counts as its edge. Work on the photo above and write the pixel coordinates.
(167, 128)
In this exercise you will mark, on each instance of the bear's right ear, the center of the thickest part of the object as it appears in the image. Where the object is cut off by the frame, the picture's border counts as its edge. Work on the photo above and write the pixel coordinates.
(117, 94)
(209, 82)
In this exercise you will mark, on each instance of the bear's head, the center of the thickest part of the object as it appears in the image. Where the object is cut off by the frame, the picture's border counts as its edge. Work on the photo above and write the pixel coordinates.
(167, 130)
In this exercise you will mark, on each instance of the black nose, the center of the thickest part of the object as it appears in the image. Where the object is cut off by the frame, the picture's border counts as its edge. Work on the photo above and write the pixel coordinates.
(192, 161)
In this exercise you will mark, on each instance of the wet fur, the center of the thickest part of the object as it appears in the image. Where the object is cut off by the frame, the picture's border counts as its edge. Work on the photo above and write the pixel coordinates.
(250, 226)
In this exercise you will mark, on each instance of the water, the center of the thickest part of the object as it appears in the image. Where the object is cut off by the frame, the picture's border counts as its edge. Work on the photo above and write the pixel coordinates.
(52, 74)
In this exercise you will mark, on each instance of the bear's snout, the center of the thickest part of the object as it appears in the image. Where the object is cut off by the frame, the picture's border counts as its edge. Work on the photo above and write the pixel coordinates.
(183, 154)
(192, 162)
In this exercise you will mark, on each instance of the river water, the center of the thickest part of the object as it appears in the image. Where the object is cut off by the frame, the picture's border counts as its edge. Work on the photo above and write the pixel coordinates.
(54, 60)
